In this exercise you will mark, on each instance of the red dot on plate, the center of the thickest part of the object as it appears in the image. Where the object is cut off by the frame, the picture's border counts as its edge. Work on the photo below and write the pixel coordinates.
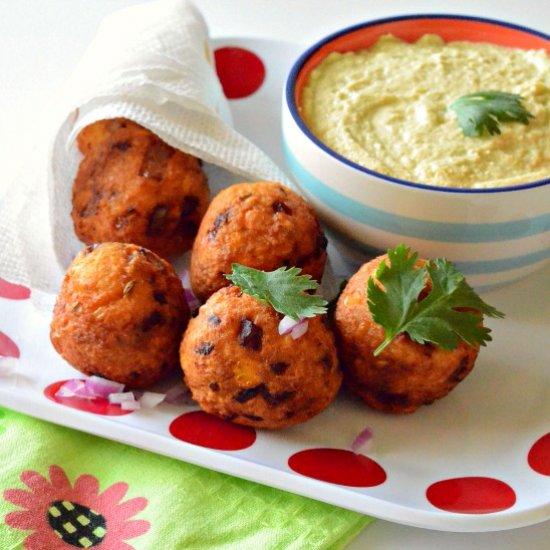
(471, 495)
(96, 406)
(338, 466)
(8, 348)
(13, 291)
(206, 430)
(539, 455)
(241, 72)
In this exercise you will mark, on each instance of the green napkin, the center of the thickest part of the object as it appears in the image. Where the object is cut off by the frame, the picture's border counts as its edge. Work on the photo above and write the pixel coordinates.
(61, 489)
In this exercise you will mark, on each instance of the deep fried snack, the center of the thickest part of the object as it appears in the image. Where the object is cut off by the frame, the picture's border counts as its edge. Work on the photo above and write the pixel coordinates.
(406, 374)
(238, 367)
(120, 314)
(260, 225)
(132, 187)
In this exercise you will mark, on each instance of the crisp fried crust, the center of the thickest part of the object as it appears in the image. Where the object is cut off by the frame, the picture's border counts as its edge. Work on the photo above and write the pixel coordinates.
(132, 187)
(238, 367)
(406, 374)
(120, 314)
(260, 225)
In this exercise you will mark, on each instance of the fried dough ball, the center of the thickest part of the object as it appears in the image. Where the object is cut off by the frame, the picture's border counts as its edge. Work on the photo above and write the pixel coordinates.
(120, 314)
(132, 187)
(260, 225)
(238, 367)
(406, 374)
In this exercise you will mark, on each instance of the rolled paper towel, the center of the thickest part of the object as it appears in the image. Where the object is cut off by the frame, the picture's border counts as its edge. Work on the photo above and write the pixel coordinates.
(152, 64)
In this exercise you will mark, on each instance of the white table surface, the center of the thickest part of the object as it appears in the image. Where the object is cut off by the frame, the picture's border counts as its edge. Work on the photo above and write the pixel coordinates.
(41, 41)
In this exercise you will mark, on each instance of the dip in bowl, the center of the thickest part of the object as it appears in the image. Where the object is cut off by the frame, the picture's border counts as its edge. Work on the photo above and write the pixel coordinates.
(383, 158)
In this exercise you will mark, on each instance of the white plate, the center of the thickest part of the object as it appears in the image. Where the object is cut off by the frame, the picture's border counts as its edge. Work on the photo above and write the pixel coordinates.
(483, 429)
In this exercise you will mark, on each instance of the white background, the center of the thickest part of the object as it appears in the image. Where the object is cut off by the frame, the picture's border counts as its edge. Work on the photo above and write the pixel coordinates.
(41, 41)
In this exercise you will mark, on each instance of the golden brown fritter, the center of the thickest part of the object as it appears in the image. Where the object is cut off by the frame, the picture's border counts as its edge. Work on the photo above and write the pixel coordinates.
(120, 314)
(260, 225)
(406, 374)
(238, 367)
(132, 187)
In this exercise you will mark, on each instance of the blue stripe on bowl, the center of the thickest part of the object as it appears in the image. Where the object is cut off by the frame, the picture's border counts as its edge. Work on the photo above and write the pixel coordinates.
(480, 289)
(480, 267)
(504, 264)
(411, 227)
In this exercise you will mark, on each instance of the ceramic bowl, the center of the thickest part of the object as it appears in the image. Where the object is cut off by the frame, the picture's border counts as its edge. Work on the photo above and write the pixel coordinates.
(494, 236)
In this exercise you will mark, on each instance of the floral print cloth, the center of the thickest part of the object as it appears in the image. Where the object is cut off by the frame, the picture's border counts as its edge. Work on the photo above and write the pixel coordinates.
(61, 490)
(63, 515)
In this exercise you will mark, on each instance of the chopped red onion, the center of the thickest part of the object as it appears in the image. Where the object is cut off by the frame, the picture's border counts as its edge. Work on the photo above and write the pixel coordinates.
(96, 387)
(63, 391)
(122, 397)
(288, 325)
(299, 330)
(74, 385)
(192, 301)
(101, 387)
(91, 388)
(74, 388)
(362, 441)
(151, 399)
(178, 395)
(130, 405)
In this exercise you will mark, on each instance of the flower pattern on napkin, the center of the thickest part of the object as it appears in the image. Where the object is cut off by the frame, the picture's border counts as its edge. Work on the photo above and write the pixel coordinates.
(62, 516)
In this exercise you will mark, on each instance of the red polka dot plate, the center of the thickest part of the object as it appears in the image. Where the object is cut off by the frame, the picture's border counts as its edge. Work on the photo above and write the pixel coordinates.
(478, 460)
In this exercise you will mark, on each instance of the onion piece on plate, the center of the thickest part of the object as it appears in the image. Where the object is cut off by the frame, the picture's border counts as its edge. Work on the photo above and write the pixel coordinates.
(91, 388)
(363, 441)
(121, 397)
(101, 387)
(75, 388)
(178, 395)
(96, 387)
(192, 301)
(151, 399)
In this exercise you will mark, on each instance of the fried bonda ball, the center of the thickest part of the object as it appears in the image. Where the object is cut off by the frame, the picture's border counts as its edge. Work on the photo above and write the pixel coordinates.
(406, 374)
(132, 187)
(120, 314)
(261, 225)
(238, 367)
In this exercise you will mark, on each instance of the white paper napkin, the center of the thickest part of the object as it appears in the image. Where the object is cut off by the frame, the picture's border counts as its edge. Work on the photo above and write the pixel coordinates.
(151, 63)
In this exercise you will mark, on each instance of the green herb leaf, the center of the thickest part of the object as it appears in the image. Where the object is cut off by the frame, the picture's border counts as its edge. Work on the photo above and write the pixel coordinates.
(436, 318)
(481, 112)
(284, 289)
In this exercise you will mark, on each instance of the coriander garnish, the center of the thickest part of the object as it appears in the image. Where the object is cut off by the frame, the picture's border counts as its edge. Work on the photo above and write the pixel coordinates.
(435, 318)
(481, 112)
(284, 289)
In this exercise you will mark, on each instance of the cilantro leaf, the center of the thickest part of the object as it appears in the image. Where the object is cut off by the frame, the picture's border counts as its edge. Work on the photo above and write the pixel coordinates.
(439, 317)
(284, 289)
(481, 112)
